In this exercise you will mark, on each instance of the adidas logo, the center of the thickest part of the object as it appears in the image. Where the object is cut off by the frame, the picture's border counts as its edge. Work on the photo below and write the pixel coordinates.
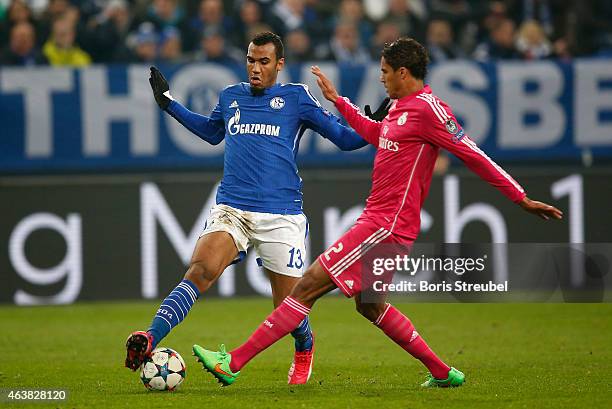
(414, 335)
(349, 283)
(234, 104)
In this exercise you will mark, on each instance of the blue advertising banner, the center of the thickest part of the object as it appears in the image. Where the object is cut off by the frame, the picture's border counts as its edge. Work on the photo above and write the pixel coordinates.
(105, 118)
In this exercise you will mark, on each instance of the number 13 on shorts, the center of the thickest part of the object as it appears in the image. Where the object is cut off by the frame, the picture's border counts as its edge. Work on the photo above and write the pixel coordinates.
(295, 258)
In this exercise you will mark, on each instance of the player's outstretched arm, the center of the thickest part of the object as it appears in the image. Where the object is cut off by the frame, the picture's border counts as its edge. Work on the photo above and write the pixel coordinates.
(327, 88)
(366, 127)
(543, 210)
(329, 127)
(327, 124)
(209, 129)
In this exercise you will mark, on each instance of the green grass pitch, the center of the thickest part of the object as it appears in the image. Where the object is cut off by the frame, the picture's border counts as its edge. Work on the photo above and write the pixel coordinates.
(514, 356)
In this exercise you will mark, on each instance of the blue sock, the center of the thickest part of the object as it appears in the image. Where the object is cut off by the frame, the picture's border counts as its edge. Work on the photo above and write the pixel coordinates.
(173, 310)
(303, 336)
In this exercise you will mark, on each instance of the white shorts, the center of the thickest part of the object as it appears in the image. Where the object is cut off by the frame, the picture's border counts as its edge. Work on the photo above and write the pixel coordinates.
(279, 240)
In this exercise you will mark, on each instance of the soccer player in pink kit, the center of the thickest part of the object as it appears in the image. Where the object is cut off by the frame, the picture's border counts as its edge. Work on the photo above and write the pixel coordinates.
(408, 139)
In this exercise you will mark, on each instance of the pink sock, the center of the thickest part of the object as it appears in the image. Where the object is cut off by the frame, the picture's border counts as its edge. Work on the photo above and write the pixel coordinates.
(282, 321)
(399, 328)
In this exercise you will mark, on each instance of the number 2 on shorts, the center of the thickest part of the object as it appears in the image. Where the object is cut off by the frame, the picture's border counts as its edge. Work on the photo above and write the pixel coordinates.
(336, 250)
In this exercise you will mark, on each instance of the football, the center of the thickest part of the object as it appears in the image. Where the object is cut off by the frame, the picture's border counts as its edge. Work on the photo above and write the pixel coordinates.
(164, 370)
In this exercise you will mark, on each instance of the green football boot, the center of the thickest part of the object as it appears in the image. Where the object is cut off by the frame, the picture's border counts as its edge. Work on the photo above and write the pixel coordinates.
(455, 378)
(217, 363)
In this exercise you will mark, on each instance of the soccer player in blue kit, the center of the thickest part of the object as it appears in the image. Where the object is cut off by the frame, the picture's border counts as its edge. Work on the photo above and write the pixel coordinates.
(259, 200)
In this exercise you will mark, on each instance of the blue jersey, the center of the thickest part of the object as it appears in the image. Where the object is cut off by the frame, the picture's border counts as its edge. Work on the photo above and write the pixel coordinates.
(262, 135)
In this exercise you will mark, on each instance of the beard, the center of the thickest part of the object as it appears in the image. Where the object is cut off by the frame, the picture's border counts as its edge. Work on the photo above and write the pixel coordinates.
(255, 91)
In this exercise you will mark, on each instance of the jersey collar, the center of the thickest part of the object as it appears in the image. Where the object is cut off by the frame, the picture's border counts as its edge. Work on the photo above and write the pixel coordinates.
(426, 89)
(247, 88)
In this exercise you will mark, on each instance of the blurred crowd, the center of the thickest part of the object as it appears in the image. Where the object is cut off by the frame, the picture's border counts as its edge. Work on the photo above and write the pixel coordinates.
(82, 32)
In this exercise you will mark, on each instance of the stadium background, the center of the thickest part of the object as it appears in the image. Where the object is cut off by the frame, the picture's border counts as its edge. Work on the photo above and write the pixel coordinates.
(102, 196)
(97, 184)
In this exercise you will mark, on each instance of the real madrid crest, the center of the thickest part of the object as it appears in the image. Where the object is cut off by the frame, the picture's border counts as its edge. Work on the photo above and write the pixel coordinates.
(277, 103)
(402, 119)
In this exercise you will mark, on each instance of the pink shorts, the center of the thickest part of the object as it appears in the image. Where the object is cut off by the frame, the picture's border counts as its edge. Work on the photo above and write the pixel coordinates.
(348, 261)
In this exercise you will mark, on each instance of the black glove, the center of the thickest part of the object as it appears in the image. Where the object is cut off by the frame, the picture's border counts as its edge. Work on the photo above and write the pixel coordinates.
(381, 112)
(159, 85)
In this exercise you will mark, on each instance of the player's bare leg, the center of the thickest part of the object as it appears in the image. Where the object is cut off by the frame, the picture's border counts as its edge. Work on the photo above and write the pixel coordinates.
(301, 367)
(370, 310)
(290, 313)
(212, 254)
(281, 286)
(313, 285)
(399, 328)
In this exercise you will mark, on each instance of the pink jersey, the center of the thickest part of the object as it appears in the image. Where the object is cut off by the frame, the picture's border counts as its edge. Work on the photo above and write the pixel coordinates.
(407, 142)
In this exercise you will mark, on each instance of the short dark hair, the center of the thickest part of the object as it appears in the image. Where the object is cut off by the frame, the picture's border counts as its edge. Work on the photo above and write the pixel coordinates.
(267, 37)
(409, 53)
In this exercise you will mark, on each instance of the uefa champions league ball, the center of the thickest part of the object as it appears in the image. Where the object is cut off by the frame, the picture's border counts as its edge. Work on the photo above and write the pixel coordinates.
(164, 370)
